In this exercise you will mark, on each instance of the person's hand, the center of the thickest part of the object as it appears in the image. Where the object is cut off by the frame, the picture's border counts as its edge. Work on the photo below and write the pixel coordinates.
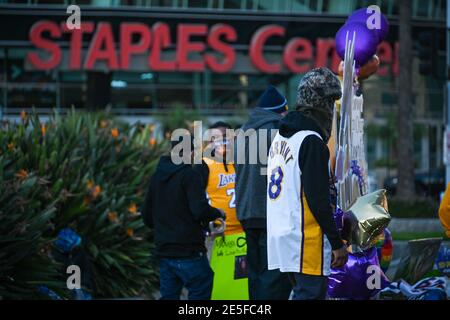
(217, 227)
(222, 214)
(367, 70)
(339, 258)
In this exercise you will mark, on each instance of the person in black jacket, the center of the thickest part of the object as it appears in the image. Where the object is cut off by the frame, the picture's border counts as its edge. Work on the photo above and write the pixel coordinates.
(316, 95)
(177, 209)
(251, 190)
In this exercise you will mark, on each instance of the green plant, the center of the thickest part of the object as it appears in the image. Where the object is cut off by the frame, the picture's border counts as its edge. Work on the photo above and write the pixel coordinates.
(406, 236)
(179, 117)
(416, 208)
(85, 171)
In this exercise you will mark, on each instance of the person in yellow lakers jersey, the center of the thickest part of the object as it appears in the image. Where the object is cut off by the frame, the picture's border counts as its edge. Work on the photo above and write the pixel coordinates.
(219, 176)
(444, 211)
(228, 254)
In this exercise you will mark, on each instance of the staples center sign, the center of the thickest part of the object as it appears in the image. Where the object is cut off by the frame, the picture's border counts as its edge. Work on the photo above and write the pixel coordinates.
(197, 47)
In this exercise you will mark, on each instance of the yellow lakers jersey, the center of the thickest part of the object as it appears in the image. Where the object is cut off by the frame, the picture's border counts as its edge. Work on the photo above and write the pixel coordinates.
(220, 192)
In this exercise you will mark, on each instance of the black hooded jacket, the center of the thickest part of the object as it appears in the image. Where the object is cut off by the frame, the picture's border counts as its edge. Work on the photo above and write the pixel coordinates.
(177, 209)
(251, 185)
(313, 162)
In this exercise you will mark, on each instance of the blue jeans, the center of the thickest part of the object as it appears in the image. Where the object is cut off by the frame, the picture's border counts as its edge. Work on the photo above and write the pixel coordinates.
(193, 273)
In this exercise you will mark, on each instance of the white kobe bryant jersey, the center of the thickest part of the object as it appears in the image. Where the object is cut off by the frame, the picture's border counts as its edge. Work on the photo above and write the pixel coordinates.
(295, 242)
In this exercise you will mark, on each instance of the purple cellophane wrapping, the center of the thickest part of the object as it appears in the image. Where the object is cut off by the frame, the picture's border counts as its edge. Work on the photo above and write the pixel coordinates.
(350, 281)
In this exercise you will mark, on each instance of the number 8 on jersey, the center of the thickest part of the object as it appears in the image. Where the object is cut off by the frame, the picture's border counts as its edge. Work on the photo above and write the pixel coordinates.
(276, 179)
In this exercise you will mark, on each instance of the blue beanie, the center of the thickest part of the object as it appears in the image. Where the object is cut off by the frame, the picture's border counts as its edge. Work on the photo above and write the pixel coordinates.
(273, 100)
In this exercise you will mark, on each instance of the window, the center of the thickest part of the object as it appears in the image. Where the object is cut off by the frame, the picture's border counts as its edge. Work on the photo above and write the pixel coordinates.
(72, 88)
(198, 3)
(26, 88)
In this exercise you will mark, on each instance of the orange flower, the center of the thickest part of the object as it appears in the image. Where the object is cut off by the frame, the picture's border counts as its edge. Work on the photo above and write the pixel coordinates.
(132, 209)
(10, 146)
(43, 129)
(103, 123)
(115, 133)
(22, 174)
(130, 232)
(152, 142)
(93, 189)
(96, 191)
(112, 217)
(23, 115)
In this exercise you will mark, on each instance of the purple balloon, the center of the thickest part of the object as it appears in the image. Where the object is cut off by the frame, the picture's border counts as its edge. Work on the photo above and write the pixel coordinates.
(362, 16)
(350, 281)
(366, 42)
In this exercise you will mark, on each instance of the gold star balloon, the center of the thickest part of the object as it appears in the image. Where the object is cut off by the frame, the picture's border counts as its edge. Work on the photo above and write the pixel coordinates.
(366, 219)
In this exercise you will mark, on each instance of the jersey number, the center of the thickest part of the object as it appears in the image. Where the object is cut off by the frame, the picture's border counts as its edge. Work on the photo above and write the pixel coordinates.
(276, 179)
(232, 203)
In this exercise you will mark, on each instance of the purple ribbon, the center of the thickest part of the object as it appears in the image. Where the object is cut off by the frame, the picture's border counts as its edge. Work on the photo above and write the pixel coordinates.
(356, 170)
(338, 216)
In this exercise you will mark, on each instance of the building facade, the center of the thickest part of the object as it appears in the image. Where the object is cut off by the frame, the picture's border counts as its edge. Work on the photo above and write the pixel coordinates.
(142, 58)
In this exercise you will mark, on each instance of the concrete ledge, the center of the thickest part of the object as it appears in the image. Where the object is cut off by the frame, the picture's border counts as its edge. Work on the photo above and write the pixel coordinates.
(415, 225)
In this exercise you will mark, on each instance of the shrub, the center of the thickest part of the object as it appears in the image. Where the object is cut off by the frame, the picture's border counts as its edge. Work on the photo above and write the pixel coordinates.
(86, 172)
(417, 208)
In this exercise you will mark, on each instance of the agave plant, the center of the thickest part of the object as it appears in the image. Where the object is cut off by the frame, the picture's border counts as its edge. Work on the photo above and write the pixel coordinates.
(82, 171)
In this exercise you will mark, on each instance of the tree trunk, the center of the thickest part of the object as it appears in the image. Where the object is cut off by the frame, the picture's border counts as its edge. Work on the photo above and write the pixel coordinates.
(405, 143)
